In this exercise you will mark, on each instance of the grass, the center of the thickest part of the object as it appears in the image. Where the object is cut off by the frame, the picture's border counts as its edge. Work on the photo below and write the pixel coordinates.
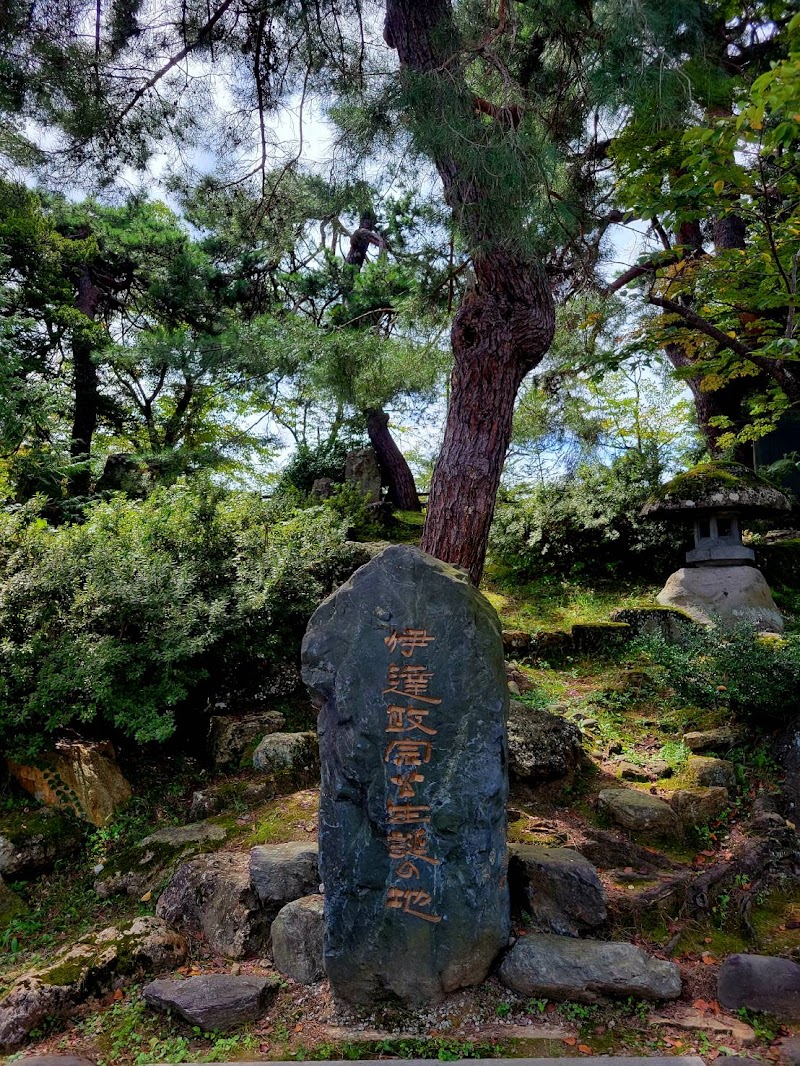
(551, 603)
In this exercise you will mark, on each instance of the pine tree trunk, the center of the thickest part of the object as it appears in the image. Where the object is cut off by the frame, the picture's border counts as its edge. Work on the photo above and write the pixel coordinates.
(395, 471)
(85, 381)
(506, 321)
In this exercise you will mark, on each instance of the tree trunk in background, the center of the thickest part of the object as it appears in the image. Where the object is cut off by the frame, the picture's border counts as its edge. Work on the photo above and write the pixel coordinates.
(84, 420)
(501, 330)
(395, 471)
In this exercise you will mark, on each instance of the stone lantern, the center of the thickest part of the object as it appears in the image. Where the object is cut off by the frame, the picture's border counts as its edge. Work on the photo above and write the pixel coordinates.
(720, 583)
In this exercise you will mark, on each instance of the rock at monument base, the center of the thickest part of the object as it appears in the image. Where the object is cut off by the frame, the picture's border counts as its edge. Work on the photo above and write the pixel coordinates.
(541, 746)
(760, 982)
(88, 967)
(711, 773)
(215, 1002)
(229, 736)
(87, 770)
(212, 896)
(406, 664)
(53, 1060)
(699, 806)
(558, 887)
(144, 866)
(584, 970)
(291, 759)
(297, 935)
(723, 595)
(281, 873)
(31, 841)
(639, 812)
(701, 741)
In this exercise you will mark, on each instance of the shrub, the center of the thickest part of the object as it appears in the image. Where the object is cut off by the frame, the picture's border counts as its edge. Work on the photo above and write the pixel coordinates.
(110, 625)
(586, 523)
(307, 464)
(754, 676)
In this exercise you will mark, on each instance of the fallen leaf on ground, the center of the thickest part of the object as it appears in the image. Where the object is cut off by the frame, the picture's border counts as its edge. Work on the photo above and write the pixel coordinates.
(709, 960)
(585, 1049)
(570, 1041)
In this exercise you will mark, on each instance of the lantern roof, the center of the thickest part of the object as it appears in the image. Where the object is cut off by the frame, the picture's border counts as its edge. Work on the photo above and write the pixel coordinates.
(714, 488)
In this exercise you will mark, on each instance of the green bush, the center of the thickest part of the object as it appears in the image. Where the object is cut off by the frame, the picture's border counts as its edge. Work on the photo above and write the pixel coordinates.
(756, 677)
(586, 524)
(307, 464)
(112, 624)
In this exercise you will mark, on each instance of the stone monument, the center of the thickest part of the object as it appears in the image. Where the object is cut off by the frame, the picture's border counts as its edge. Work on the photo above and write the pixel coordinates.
(405, 662)
(719, 584)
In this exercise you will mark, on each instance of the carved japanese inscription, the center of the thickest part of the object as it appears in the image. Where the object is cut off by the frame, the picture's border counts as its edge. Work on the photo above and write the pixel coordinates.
(406, 665)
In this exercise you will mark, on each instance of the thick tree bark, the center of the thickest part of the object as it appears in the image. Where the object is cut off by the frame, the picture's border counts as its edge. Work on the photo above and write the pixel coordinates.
(85, 382)
(395, 471)
(504, 325)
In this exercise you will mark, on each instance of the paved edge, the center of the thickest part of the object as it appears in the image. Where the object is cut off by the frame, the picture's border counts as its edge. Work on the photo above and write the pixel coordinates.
(607, 1060)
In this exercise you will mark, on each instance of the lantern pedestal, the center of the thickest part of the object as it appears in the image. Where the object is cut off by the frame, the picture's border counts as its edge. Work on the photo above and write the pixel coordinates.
(723, 595)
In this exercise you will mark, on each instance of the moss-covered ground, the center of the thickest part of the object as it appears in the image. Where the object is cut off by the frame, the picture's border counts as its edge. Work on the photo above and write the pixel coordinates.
(626, 716)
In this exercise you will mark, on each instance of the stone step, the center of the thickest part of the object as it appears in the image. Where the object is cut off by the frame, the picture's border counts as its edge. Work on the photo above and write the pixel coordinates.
(606, 1060)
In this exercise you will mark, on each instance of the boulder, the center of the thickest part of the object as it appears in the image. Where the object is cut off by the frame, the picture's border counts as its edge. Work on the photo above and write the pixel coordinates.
(31, 841)
(639, 812)
(667, 622)
(558, 887)
(81, 776)
(541, 746)
(563, 968)
(291, 760)
(229, 736)
(323, 487)
(406, 664)
(711, 773)
(699, 806)
(281, 873)
(760, 982)
(230, 796)
(724, 595)
(297, 935)
(362, 470)
(144, 866)
(214, 1002)
(92, 965)
(701, 741)
(516, 643)
(212, 896)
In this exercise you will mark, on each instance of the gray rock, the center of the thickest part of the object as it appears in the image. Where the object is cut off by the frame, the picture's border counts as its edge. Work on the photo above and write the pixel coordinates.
(760, 982)
(297, 935)
(639, 812)
(558, 887)
(630, 771)
(229, 736)
(668, 622)
(291, 759)
(323, 488)
(584, 970)
(53, 1060)
(144, 866)
(700, 741)
(230, 795)
(281, 873)
(92, 965)
(31, 841)
(215, 1002)
(541, 746)
(414, 786)
(699, 806)
(711, 773)
(724, 595)
(362, 470)
(212, 896)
